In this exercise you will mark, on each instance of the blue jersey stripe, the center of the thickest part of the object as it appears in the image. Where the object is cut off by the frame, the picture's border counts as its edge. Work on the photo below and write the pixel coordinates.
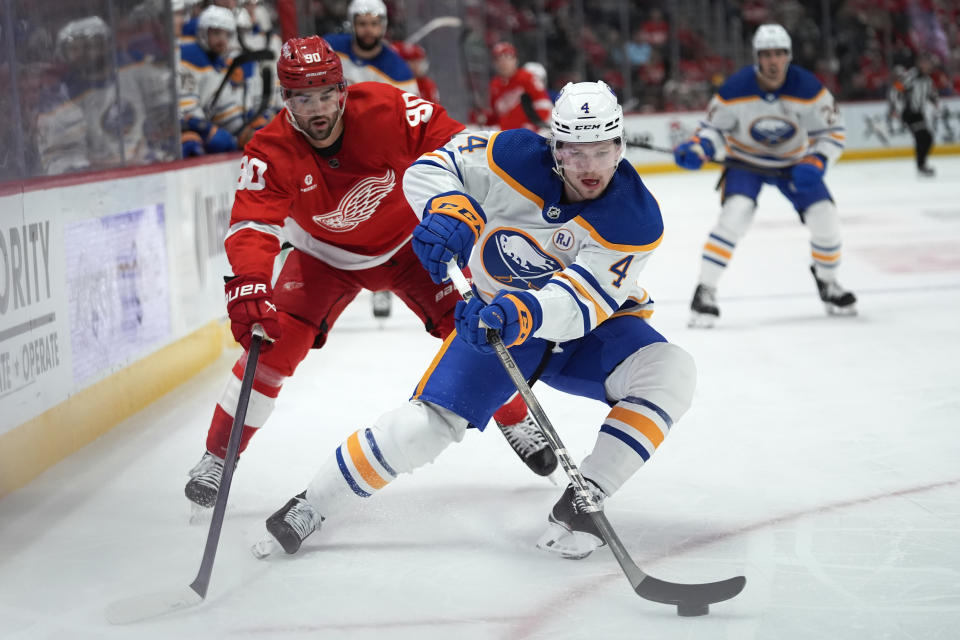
(596, 285)
(649, 405)
(576, 298)
(346, 475)
(453, 161)
(722, 241)
(627, 440)
(377, 453)
(432, 163)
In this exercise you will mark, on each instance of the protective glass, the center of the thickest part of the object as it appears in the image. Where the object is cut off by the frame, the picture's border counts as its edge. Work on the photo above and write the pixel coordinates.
(588, 156)
(314, 102)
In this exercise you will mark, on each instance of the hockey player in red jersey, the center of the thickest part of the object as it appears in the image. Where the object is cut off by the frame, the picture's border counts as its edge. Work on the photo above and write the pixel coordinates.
(517, 98)
(416, 57)
(325, 175)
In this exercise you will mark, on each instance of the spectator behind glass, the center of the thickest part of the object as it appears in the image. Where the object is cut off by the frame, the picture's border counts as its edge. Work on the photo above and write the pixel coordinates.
(95, 117)
(218, 96)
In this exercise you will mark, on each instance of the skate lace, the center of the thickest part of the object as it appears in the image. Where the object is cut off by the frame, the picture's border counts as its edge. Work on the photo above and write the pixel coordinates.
(579, 504)
(525, 437)
(208, 471)
(302, 518)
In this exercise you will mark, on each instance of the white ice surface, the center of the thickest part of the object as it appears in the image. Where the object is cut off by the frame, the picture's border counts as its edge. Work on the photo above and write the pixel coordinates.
(821, 459)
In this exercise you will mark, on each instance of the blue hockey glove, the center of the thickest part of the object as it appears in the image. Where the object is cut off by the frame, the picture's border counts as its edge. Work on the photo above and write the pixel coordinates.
(514, 314)
(808, 172)
(693, 153)
(451, 224)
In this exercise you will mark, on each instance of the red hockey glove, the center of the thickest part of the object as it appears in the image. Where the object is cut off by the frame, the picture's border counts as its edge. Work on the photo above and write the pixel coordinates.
(248, 303)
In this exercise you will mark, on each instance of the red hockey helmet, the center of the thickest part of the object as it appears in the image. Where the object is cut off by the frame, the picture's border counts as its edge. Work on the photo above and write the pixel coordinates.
(308, 62)
(503, 49)
(410, 52)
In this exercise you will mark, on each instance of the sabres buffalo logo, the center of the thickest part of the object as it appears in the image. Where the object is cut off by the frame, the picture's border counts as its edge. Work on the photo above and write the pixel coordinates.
(772, 131)
(515, 259)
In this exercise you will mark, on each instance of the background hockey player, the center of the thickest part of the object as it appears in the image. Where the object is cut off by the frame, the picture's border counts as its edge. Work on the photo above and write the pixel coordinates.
(416, 58)
(324, 175)
(367, 58)
(556, 233)
(771, 115)
(216, 110)
(99, 116)
(365, 55)
(912, 95)
(517, 97)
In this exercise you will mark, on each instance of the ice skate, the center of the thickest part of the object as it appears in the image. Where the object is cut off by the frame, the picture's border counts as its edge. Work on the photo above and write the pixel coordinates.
(704, 308)
(926, 172)
(382, 302)
(289, 527)
(529, 443)
(204, 481)
(571, 533)
(837, 300)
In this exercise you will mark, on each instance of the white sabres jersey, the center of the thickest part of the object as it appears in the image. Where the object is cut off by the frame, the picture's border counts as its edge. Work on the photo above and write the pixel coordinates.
(387, 66)
(581, 260)
(774, 128)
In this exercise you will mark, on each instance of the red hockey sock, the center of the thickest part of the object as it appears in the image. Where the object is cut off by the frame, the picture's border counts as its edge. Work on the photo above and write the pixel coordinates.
(511, 413)
(218, 437)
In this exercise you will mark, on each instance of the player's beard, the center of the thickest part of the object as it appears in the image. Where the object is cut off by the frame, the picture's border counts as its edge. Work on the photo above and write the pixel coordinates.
(320, 132)
(367, 44)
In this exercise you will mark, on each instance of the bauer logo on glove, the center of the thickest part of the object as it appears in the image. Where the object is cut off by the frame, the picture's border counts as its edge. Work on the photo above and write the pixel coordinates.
(249, 303)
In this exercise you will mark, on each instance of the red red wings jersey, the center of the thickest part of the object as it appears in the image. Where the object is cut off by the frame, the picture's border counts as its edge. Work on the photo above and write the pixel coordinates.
(505, 100)
(428, 89)
(348, 208)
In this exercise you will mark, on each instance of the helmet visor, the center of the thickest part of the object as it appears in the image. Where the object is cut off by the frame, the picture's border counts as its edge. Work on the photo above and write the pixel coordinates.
(588, 156)
(314, 101)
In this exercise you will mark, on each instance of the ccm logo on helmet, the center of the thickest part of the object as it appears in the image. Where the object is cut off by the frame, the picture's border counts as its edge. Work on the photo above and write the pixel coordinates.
(582, 127)
(246, 290)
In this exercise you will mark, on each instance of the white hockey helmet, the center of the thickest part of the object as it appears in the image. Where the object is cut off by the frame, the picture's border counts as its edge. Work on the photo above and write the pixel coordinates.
(538, 71)
(85, 41)
(771, 36)
(244, 22)
(214, 17)
(586, 112)
(177, 5)
(367, 7)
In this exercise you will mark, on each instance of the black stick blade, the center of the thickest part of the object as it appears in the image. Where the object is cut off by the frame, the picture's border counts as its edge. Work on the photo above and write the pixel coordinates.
(689, 597)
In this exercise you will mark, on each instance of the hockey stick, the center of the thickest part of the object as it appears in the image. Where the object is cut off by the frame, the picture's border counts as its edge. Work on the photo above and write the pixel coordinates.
(641, 143)
(433, 25)
(151, 605)
(690, 599)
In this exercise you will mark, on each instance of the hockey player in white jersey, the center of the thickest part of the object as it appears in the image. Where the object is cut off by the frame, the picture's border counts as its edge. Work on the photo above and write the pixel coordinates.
(555, 233)
(216, 111)
(365, 55)
(771, 115)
